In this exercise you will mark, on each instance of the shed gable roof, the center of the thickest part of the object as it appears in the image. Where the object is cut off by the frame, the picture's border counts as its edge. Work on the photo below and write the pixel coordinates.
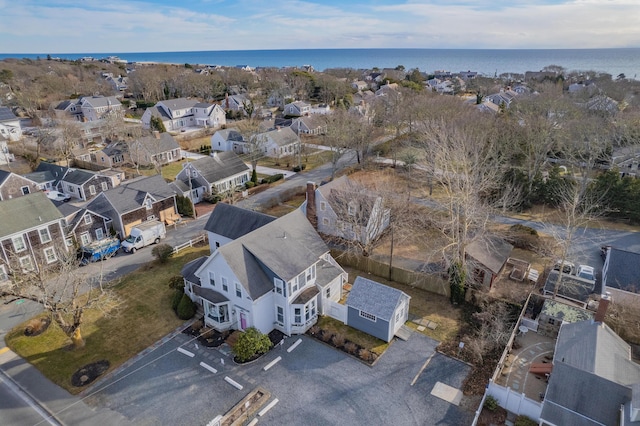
(374, 298)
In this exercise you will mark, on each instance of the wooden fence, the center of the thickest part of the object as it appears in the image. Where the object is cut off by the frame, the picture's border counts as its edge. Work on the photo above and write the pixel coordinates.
(201, 239)
(433, 283)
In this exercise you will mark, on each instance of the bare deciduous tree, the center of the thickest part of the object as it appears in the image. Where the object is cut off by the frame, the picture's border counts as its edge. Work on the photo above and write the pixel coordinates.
(63, 290)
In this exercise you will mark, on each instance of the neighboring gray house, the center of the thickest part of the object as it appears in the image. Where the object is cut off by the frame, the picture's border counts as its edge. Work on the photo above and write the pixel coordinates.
(83, 184)
(278, 276)
(217, 173)
(345, 210)
(594, 380)
(487, 258)
(156, 150)
(95, 108)
(297, 109)
(234, 102)
(228, 223)
(136, 201)
(31, 234)
(280, 142)
(13, 185)
(227, 140)
(376, 309)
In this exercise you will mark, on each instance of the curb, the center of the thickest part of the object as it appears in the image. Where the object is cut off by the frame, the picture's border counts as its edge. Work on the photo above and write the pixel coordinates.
(28, 394)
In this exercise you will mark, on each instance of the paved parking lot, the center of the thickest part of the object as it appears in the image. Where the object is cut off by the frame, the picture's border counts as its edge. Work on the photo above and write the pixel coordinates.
(315, 385)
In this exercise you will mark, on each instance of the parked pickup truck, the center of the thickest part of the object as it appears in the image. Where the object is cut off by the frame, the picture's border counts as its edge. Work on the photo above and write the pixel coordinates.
(99, 250)
(150, 232)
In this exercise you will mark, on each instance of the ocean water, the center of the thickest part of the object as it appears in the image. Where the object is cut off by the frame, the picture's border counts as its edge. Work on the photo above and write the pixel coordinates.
(488, 62)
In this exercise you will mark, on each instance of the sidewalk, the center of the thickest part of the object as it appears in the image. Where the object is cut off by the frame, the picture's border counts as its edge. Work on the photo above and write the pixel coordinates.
(64, 408)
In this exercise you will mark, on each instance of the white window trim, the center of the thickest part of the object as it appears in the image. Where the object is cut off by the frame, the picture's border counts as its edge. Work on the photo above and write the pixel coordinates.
(50, 251)
(368, 316)
(104, 186)
(87, 219)
(24, 245)
(92, 189)
(88, 238)
(99, 233)
(238, 290)
(22, 263)
(212, 279)
(48, 235)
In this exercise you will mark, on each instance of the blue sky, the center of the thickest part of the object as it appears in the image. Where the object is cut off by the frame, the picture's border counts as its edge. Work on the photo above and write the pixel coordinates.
(72, 26)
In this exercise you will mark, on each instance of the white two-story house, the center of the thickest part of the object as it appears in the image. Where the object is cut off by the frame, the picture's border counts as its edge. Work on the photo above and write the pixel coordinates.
(279, 276)
(178, 114)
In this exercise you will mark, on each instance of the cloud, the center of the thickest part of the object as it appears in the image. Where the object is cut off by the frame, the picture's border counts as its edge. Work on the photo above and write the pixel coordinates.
(65, 26)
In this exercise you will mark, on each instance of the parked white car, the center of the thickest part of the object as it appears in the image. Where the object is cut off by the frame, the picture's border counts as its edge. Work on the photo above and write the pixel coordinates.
(57, 196)
(587, 272)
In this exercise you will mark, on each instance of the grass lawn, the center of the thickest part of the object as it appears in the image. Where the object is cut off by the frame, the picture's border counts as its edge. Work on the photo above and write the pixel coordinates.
(143, 316)
(373, 344)
(286, 207)
(311, 161)
(171, 170)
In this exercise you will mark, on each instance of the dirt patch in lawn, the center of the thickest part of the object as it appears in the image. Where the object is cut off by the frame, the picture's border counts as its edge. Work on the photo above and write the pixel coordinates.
(89, 373)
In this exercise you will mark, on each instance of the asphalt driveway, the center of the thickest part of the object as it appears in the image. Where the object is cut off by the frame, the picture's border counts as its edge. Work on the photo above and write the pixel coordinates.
(315, 385)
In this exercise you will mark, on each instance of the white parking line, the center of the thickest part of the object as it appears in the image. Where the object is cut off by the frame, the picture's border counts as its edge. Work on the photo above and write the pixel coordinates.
(272, 363)
(233, 382)
(186, 352)
(208, 367)
(295, 345)
(268, 407)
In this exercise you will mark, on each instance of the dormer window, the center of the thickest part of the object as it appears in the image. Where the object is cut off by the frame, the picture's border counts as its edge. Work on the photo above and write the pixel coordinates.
(279, 287)
(148, 204)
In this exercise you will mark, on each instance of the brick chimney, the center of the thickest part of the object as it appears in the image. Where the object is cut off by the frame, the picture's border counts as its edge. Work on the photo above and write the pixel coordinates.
(311, 204)
(602, 308)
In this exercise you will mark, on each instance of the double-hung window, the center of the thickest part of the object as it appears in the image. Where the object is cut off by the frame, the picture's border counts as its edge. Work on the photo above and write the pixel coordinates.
(45, 236)
(18, 244)
(212, 279)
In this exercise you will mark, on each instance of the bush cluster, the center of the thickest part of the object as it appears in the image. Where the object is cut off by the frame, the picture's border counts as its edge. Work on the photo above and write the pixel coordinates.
(186, 309)
(251, 343)
(162, 252)
(273, 178)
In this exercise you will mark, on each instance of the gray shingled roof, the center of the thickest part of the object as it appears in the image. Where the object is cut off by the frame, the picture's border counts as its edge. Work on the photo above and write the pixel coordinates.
(595, 348)
(230, 135)
(188, 270)
(374, 298)
(40, 177)
(115, 148)
(179, 103)
(3, 176)
(7, 115)
(220, 167)
(287, 246)
(101, 101)
(578, 398)
(492, 253)
(158, 112)
(78, 177)
(26, 212)
(623, 271)
(234, 222)
(57, 172)
(283, 136)
(156, 145)
(130, 195)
